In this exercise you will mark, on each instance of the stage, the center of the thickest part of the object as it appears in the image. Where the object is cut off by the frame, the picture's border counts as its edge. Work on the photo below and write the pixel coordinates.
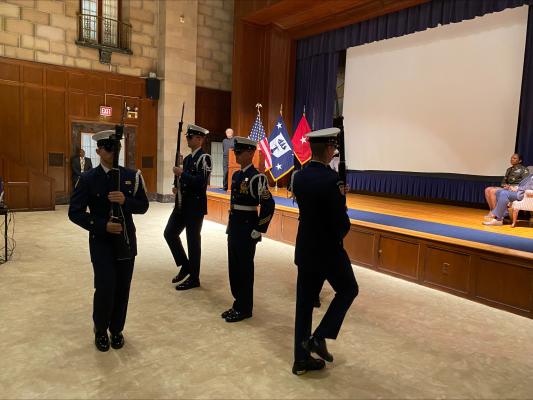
(441, 246)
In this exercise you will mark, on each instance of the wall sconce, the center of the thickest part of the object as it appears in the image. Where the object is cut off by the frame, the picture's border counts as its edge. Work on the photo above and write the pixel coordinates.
(132, 112)
(182, 18)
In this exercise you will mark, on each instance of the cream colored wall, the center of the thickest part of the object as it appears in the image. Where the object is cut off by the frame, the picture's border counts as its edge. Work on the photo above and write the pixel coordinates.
(215, 44)
(45, 31)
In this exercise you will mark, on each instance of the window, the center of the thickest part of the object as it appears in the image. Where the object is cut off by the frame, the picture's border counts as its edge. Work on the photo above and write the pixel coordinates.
(100, 25)
(89, 146)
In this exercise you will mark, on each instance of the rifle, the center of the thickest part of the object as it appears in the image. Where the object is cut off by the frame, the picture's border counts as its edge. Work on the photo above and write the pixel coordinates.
(121, 243)
(177, 160)
(338, 122)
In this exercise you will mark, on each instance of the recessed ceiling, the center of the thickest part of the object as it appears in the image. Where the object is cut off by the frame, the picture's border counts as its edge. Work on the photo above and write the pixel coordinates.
(300, 18)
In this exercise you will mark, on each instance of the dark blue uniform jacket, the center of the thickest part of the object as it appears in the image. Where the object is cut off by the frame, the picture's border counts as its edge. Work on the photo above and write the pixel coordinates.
(244, 193)
(324, 221)
(193, 183)
(91, 191)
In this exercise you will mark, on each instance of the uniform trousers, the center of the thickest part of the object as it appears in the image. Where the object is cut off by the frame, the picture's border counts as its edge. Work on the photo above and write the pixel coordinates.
(192, 224)
(241, 252)
(112, 280)
(311, 277)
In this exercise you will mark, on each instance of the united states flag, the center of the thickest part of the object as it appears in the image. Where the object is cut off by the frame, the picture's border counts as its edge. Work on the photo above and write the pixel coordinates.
(258, 134)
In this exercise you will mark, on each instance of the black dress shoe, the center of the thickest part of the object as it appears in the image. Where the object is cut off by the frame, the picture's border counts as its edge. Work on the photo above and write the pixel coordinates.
(188, 284)
(317, 346)
(227, 312)
(311, 364)
(181, 275)
(117, 340)
(317, 303)
(101, 341)
(237, 316)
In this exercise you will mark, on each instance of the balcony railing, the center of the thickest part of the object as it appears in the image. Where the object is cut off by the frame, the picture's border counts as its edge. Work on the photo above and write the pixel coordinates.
(104, 33)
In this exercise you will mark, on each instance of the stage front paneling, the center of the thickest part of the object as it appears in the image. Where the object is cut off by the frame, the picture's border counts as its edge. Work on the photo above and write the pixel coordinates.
(496, 276)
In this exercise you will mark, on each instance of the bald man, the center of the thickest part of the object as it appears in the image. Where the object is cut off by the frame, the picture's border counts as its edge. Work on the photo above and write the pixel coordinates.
(227, 144)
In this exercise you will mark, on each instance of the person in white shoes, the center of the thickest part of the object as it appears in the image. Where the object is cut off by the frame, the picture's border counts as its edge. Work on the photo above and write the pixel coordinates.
(506, 196)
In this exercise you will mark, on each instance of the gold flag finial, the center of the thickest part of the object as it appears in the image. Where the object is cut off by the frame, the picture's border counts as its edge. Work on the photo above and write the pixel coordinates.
(281, 110)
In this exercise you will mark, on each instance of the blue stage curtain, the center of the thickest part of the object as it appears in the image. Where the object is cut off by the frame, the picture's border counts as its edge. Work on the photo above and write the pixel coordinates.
(403, 22)
(316, 79)
(449, 187)
(524, 135)
(317, 56)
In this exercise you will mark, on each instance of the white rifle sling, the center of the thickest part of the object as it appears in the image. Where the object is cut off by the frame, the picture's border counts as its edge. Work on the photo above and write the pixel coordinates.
(204, 162)
(138, 178)
(262, 185)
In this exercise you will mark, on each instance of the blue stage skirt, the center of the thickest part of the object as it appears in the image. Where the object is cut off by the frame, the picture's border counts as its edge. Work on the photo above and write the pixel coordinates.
(423, 186)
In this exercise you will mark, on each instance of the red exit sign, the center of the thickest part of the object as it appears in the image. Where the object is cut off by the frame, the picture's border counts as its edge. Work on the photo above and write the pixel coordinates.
(106, 111)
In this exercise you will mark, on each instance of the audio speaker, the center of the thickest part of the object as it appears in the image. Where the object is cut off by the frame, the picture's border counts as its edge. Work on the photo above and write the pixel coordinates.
(152, 88)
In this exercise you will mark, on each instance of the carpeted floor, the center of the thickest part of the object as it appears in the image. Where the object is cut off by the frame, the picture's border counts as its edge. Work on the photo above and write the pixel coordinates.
(399, 340)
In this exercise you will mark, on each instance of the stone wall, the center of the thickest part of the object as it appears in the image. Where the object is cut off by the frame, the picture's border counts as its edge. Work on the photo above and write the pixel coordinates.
(215, 44)
(45, 31)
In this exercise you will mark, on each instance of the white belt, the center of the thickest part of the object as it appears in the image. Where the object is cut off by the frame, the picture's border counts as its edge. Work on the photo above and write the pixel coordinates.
(243, 208)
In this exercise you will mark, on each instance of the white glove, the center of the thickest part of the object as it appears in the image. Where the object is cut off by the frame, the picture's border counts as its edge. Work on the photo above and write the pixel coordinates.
(255, 234)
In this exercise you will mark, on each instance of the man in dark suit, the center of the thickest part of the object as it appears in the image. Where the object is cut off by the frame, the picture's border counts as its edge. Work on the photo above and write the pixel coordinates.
(189, 209)
(97, 190)
(249, 190)
(79, 164)
(319, 252)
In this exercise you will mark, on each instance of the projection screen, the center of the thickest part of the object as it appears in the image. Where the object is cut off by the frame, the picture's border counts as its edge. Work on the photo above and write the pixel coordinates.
(442, 100)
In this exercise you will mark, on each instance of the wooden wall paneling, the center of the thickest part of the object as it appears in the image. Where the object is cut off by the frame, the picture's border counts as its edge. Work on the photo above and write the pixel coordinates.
(447, 269)
(9, 71)
(114, 86)
(76, 104)
(361, 246)
(17, 196)
(147, 143)
(10, 117)
(399, 256)
(77, 81)
(214, 207)
(504, 284)
(96, 83)
(289, 227)
(94, 101)
(274, 228)
(32, 134)
(33, 74)
(16, 173)
(213, 111)
(17, 186)
(224, 213)
(249, 67)
(279, 75)
(117, 103)
(57, 138)
(135, 88)
(132, 103)
(56, 78)
(42, 192)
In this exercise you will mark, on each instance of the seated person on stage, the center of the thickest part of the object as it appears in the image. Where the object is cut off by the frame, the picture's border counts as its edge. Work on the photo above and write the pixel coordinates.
(506, 196)
(514, 174)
